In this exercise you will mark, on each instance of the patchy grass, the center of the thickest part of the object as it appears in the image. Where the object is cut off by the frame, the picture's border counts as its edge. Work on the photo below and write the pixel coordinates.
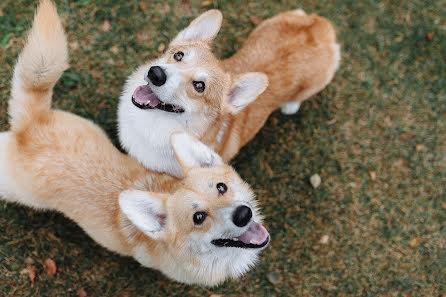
(376, 136)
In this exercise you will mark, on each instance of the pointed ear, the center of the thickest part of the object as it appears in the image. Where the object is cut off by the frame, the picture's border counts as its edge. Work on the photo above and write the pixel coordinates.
(145, 210)
(245, 89)
(190, 152)
(205, 27)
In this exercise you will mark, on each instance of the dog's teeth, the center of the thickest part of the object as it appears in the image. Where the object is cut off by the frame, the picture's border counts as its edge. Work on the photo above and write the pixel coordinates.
(235, 239)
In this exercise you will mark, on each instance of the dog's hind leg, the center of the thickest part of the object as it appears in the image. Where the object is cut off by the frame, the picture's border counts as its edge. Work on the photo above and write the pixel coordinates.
(11, 181)
(293, 106)
(290, 107)
(4, 174)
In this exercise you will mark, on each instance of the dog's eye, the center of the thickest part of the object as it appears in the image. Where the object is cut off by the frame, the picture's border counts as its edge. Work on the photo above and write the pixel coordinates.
(178, 56)
(199, 217)
(222, 188)
(199, 86)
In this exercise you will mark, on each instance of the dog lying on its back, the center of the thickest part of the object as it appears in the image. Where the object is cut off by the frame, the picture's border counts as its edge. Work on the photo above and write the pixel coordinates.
(202, 229)
(188, 89)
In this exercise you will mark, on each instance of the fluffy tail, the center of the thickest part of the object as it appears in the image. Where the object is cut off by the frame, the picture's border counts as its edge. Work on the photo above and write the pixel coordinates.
(40, 65)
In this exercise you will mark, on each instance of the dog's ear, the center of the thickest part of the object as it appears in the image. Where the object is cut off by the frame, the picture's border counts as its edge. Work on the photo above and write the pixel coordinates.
(245, 89)
(205, 27)
(191, 153)
(145, 210)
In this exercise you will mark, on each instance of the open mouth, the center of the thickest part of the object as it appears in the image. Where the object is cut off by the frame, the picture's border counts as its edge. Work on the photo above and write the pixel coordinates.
(255, 237)
(144, 98)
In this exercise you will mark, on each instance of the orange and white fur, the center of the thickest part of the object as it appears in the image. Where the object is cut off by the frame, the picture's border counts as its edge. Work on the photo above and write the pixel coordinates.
(286, 60)
(202, 229)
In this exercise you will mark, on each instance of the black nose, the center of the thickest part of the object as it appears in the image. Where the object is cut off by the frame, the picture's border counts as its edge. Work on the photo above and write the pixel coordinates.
(157, 76)
(242, 215)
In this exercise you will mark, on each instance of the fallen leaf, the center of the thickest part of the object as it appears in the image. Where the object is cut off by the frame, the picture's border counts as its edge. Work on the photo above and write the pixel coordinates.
(331, 122)
(444, 206)
(31, 271)
(74, 45)
(206, 3)
(407, 135)
(269, 170)
(50, 267)
(216, 295)
(315, 180)
(29, 261)
(324, 239)
(1, 12)
(106, 26)
(430, 35)
(273, 277)
(372, 175)
(81, 293)
(420, 148)
(161, 47)
(114, 49)
(415, 242)
(254, 20)
(407, 17)
(143, 6)
(399, 38)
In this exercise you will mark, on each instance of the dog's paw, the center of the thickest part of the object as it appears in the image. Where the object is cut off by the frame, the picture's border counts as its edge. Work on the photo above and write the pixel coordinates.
(290, 107)
(300, 12)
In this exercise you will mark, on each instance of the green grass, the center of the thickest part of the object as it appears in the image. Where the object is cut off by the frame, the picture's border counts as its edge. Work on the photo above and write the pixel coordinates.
(388, 97)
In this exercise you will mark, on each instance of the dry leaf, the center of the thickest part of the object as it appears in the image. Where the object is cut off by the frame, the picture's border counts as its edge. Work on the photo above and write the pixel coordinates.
(106, 26)
(114, 49)
(29, 261)
(31, 271)
(331, 122)
(216, 295)
(254, 20)
(420, 148)
(269, 170)
(143, 6)
(315, 180)
(415, 242)
(407, 135)
(372, 175)
(50, 267)
(430, 35)
(81, 293)
(324, 239)
(273, 277)
(1, 12)
(444, 206)
(399, 38)
(206, 3)
(74, 45)
(161, 47)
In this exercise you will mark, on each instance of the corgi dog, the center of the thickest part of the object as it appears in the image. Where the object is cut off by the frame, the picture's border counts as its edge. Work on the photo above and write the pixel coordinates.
(286, 60)
(201, 229)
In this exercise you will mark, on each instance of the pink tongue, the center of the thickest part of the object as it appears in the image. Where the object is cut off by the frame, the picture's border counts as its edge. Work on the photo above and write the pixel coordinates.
(144, 96)
(255, 234)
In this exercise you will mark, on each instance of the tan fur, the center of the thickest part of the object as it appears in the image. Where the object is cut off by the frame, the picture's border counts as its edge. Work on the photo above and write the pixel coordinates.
(297, 52)
(56, 160)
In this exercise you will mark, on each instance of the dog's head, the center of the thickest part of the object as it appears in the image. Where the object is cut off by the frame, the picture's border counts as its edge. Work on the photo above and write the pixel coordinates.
(209, 229)
(185, 89)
